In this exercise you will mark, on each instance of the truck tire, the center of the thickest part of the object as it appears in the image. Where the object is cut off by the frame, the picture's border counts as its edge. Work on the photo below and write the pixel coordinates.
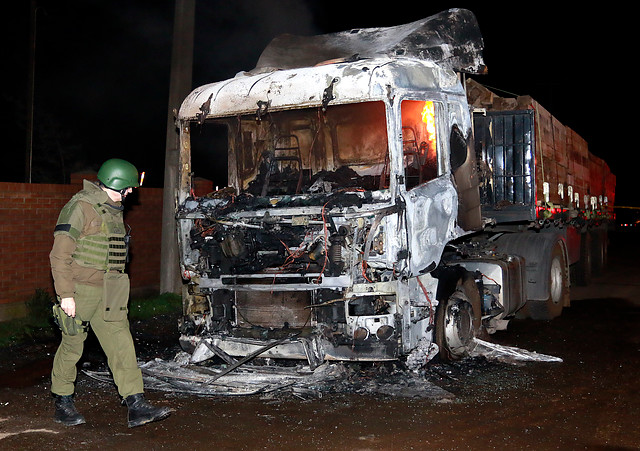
(558, 288)
(459, 320)
(582, 269)
(599, 251)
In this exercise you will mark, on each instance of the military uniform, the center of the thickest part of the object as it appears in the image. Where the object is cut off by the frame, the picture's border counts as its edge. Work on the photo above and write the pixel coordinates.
(87, 262)
(89, 244)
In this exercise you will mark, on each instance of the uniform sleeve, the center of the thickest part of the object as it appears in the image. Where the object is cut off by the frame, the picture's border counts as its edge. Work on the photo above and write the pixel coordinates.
(70, 221)
(61, 269)
(68, 228)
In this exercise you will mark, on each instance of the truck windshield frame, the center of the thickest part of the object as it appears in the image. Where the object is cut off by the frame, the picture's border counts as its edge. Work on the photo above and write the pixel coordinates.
(311, 151)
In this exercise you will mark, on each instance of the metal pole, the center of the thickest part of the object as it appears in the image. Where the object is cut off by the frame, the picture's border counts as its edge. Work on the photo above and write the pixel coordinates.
(30, 93)
(179, 87)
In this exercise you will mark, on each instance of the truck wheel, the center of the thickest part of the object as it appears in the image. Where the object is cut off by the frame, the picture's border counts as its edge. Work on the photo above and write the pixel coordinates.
(599, 251)
(459, 320)
(582, 268)
(558, 288)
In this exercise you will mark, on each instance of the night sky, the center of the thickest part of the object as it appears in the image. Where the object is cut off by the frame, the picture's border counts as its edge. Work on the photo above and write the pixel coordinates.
(102, 70)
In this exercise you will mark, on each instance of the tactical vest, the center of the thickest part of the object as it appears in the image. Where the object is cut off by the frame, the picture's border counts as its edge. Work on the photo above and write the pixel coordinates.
(107, 250)
(103, 251)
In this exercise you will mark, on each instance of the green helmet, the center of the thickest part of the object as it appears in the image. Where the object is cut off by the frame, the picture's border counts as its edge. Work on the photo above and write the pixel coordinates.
(118, 174)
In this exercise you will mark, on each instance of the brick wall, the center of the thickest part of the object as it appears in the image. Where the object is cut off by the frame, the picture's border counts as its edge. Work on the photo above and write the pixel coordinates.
(28, 214)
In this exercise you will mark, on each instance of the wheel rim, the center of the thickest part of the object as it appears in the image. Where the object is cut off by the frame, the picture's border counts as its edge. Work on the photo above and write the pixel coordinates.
(556, 281)
(458, 327)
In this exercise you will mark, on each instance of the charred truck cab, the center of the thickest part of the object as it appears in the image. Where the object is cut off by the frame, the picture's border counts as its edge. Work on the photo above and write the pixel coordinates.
(351, 225)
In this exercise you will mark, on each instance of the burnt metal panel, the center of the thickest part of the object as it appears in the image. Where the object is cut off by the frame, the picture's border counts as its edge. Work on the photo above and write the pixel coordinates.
(450, 38)
(505, 143)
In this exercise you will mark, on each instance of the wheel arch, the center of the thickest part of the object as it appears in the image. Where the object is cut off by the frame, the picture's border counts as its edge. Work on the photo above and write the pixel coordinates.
(448, 277)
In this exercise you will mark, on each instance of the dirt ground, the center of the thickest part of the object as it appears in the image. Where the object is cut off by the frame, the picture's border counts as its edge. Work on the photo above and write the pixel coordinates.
(589, 401)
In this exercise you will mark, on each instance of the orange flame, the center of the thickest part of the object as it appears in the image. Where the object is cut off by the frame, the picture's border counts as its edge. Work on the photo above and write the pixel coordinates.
(429, 118)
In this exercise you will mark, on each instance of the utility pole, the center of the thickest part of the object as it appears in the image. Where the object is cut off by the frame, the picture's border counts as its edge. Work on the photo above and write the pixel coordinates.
(30, 92)
(179, 88)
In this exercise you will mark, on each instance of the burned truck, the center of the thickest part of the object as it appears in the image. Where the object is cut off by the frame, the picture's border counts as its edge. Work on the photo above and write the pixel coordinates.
(367, 209)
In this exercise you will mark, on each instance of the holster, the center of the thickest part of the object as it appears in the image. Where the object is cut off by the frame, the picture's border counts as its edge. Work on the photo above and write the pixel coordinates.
(67, 324)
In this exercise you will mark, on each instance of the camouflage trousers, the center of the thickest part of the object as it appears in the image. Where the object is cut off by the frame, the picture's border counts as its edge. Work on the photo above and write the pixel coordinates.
(115, 339)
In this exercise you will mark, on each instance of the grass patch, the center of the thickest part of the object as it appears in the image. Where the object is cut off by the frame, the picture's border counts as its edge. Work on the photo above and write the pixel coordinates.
(39, 325)
(20, 330)
(145, 308)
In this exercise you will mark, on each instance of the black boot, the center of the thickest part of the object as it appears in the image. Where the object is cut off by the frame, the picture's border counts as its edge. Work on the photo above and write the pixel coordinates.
(141, 412)
(66, 412)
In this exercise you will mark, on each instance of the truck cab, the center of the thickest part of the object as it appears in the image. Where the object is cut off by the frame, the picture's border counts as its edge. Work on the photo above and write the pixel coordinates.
(342, 184)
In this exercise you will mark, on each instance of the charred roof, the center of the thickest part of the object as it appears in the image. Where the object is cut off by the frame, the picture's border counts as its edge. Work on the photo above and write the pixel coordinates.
(451, 39)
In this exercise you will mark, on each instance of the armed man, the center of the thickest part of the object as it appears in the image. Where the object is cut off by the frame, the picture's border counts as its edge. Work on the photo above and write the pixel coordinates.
(88, 267)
